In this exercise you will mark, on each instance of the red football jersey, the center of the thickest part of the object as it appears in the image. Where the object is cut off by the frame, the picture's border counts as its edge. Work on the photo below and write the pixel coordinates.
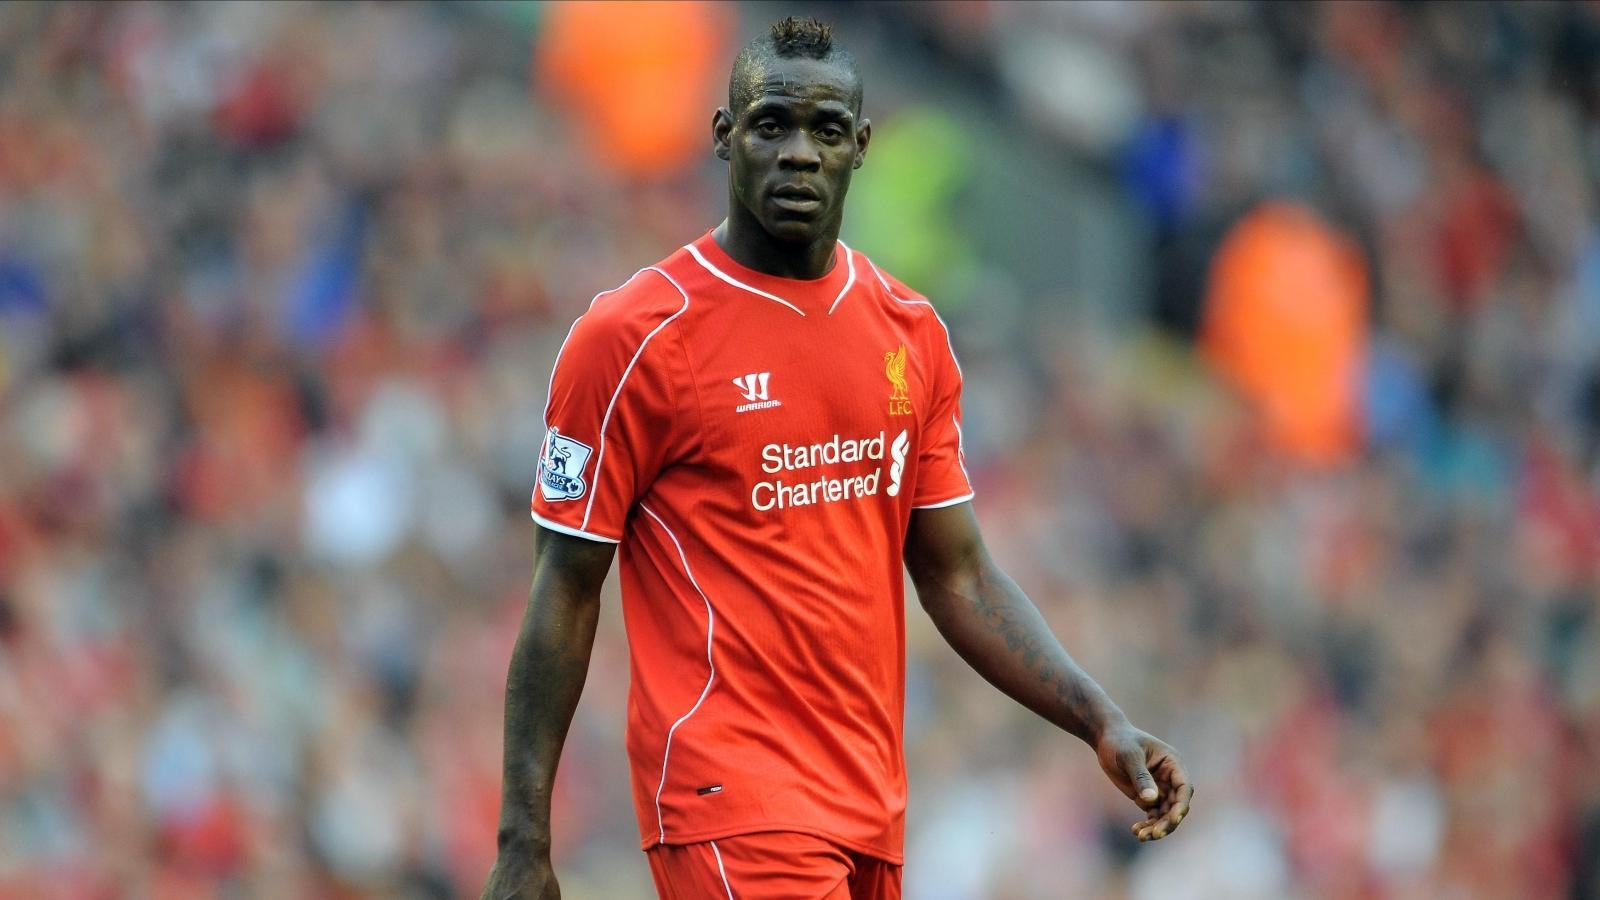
(756, 445)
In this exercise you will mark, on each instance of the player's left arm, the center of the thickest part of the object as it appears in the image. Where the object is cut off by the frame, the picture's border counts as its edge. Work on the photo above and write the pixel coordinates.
(993, 625)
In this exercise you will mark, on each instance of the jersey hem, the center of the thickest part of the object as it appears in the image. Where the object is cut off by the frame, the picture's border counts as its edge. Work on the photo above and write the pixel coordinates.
(575, 532)
(700, 837)
(943, 503)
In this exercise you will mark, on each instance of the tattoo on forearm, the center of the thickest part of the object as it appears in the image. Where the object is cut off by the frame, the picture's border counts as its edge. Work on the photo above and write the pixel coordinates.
(1069, 697)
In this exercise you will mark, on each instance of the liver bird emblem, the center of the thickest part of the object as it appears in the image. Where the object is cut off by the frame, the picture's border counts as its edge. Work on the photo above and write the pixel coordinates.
(894, 366)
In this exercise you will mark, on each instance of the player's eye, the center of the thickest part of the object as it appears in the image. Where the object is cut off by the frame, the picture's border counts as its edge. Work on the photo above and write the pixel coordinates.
(830, 132)
(769, 128)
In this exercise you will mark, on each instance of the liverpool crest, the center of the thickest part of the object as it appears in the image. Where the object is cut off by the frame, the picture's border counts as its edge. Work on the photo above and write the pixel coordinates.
(894, 368)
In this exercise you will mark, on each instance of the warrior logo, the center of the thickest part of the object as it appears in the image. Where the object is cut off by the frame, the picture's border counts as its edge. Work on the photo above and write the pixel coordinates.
(754, 385)
(754, 389)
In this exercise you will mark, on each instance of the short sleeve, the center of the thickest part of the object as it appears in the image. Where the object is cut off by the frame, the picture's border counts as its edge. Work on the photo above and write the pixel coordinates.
(942, 478)
(610, 423)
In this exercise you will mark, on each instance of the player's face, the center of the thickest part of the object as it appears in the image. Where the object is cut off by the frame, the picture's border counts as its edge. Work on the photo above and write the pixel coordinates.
(791, 152)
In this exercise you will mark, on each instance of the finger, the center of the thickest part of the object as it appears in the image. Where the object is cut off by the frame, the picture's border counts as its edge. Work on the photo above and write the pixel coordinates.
(1168, 822)
(1142, 829)
(1180, 809)
(1173, 779)
(1145, 792)
(1157, 830)
(1157, 827)
(1175, 802)
(1171, 773)
(1173, 789)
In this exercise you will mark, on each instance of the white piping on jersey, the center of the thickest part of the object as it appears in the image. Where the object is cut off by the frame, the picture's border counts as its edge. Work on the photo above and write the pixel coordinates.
(930, 306)
(549, 397)
(711, 622)
(550, 389)
(695, 252)
(850, 261)
(568, 529)
(961, 443)
(605, 422)
(961, 449)
(724, 872)
(951, 502)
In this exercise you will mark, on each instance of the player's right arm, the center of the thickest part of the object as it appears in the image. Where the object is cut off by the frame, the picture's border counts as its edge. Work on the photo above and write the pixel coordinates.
(548, 668)
(614, 422)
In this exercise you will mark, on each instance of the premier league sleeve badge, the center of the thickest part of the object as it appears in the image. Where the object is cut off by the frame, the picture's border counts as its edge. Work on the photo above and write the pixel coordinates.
(561, 467)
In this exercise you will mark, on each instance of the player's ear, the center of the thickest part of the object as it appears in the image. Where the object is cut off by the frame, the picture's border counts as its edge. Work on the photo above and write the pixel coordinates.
(863, 137)
(721, 129)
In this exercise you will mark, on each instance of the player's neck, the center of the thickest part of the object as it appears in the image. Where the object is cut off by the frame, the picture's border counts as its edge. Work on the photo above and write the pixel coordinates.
(752, 247)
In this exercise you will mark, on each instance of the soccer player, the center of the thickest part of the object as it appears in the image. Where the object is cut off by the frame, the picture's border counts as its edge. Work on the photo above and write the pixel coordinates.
(765, 426)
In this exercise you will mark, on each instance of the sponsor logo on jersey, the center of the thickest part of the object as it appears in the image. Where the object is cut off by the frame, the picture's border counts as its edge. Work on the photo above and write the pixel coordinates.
(754, 388)
(897, 463)
(561, 467)
(789, 489)
(894, 368)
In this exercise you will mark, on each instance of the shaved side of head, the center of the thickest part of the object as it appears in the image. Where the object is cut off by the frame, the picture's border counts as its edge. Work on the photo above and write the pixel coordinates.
(790, 38)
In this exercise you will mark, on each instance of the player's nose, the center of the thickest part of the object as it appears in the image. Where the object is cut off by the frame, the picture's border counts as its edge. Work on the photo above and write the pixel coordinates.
(799, 152)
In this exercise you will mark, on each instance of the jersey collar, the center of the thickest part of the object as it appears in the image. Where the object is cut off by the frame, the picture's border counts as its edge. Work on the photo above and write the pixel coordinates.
(808, 297)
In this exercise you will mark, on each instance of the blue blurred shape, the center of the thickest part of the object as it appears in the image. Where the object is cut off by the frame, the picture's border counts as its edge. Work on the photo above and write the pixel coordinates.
(322, 295)
(21, 287)
(1399, 414)
(1161, 168)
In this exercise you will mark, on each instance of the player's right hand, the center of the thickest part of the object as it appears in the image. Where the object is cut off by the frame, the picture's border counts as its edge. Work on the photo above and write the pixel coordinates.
(522, 876)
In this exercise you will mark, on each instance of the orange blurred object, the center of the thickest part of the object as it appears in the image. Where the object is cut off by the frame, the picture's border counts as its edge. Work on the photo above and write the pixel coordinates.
(640, 79)
(1286, 323)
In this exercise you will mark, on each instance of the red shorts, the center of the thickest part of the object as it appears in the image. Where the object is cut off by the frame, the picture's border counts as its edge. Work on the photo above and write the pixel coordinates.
(770, 865)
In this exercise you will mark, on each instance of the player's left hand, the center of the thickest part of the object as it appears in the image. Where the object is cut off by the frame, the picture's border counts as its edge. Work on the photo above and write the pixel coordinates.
(1149, 773)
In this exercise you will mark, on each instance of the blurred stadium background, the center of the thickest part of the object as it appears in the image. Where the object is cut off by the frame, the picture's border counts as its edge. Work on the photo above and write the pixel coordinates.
(1281, 327)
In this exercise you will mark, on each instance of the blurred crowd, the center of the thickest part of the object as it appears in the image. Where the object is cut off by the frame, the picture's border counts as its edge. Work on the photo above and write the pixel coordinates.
(281, 284)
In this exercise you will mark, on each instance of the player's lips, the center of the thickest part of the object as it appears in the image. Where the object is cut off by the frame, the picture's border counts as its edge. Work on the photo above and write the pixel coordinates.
(796, 204)
(796, 197)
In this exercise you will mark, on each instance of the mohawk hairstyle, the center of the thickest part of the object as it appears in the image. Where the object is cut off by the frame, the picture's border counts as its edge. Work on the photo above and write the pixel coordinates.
(801, 37)
(788, 38)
